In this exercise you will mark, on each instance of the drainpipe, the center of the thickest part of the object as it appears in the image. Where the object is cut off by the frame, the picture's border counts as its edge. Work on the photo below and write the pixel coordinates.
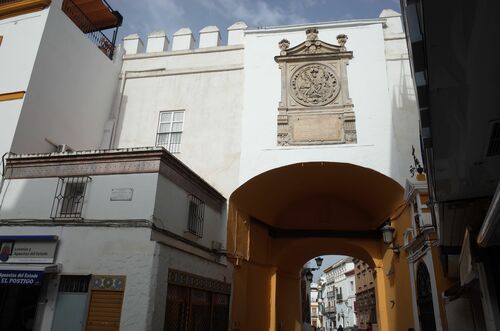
(122, 90)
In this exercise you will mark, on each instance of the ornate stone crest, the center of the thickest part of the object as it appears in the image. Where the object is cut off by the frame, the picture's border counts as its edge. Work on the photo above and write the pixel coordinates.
(314, 85)
(315, 107)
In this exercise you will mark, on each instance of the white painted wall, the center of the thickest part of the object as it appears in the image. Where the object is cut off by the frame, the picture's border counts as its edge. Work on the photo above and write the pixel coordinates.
(172, 213)
(402, 95)
(212, 101)
(225, 106)
(368, 88)
(27, 199)
(21, 39)
(102, 251)
(70, 92)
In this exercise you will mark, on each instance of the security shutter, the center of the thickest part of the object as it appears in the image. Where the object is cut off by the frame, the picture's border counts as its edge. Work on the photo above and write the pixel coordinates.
(106, 302)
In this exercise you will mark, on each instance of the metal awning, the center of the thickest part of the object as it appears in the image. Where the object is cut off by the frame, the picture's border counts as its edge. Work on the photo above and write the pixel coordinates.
(46, 268)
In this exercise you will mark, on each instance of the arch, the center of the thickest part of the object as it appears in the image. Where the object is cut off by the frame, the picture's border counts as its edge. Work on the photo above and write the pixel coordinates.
(319, 189)
(424, 299)
(283, 217)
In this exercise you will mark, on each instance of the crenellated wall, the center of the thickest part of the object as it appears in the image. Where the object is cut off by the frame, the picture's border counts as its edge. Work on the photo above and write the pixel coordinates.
(184, 39)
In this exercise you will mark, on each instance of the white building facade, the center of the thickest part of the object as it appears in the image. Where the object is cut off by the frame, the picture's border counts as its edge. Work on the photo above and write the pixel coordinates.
(126, 232)
(144, 228)
(340, 295)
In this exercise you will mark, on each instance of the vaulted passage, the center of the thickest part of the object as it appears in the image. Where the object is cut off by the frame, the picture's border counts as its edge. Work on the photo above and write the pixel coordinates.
(282, 218)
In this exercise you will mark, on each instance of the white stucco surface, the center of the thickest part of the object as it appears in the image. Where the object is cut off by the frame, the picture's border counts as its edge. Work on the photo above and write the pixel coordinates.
(370, 83)
(230, 95)
(32, 198)
(171, 212)
(21, 39)
(103, 251)
(70, 92)
(208, 86)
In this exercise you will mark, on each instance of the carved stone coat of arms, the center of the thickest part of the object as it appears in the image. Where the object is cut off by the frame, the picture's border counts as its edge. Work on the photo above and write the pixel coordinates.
(315, 107)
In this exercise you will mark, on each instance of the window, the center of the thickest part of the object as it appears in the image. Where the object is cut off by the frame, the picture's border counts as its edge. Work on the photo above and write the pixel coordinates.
(205, 307)
(196, 214)
(69, 197)
(71, 304)
(170, 130)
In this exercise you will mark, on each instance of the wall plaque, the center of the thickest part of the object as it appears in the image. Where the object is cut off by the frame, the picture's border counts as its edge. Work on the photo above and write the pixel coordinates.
(315, 107)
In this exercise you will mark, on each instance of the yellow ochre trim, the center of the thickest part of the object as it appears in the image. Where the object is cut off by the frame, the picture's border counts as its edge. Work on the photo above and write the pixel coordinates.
(20, 7)
(11, 96)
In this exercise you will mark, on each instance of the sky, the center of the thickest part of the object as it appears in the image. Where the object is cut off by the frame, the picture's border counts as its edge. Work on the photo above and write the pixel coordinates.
(146, 16)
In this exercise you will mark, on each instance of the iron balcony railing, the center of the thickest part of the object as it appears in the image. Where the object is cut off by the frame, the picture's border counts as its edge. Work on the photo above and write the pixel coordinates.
(91, 31)
(330, 310)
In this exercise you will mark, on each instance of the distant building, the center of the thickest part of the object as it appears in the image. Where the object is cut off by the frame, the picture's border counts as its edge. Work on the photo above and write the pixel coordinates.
(340, 295)
(365, 305)
(315, 314)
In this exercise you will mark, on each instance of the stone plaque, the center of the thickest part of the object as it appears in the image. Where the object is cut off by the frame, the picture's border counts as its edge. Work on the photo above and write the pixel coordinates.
(314, 128)
(121, 194)
(315, 107)
(314, 85)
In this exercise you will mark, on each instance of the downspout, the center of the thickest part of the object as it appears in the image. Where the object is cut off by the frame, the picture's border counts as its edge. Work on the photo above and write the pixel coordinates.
(125, 76)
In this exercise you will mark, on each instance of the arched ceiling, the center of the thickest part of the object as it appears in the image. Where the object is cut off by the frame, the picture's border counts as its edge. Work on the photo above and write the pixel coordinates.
(320, 195)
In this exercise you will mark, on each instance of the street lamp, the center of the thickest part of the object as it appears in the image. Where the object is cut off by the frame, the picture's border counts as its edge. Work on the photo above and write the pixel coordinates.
(388, 237)
(309, 274)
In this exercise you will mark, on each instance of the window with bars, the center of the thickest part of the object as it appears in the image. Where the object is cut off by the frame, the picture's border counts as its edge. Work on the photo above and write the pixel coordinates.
(170, 130)
(196, 309)
(196, 215)
(69, 197)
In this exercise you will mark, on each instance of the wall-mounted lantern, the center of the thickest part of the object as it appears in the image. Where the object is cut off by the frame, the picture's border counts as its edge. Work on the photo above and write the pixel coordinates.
(388, 237)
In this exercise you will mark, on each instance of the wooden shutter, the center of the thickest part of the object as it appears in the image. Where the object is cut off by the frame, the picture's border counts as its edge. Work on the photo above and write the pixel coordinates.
(105, 306)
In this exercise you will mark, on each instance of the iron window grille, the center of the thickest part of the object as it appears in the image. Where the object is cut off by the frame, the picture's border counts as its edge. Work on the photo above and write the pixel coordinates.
(69, 197)
(196, 215)
(74, 283)
(170, 127)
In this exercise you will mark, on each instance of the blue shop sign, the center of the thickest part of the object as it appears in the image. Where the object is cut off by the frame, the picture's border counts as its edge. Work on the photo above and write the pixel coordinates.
(20, 277)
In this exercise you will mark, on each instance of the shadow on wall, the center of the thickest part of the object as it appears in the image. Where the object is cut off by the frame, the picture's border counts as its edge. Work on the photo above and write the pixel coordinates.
(118, 116)
(405, 119)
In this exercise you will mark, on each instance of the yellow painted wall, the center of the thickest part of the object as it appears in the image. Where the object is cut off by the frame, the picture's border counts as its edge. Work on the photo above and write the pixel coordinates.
(267, 280)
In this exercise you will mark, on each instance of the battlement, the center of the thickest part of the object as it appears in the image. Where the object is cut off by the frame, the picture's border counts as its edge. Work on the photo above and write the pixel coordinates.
(183, 39)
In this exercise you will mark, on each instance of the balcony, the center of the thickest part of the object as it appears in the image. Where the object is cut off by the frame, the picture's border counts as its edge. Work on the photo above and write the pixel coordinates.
(94, 18)
(330, 310)
(9, 8)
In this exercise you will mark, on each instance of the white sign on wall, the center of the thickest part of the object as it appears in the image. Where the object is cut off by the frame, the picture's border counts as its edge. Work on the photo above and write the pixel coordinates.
(28, 252)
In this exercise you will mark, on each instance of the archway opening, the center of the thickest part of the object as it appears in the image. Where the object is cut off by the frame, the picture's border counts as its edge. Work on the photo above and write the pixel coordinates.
(339, 294)
(284, 217)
